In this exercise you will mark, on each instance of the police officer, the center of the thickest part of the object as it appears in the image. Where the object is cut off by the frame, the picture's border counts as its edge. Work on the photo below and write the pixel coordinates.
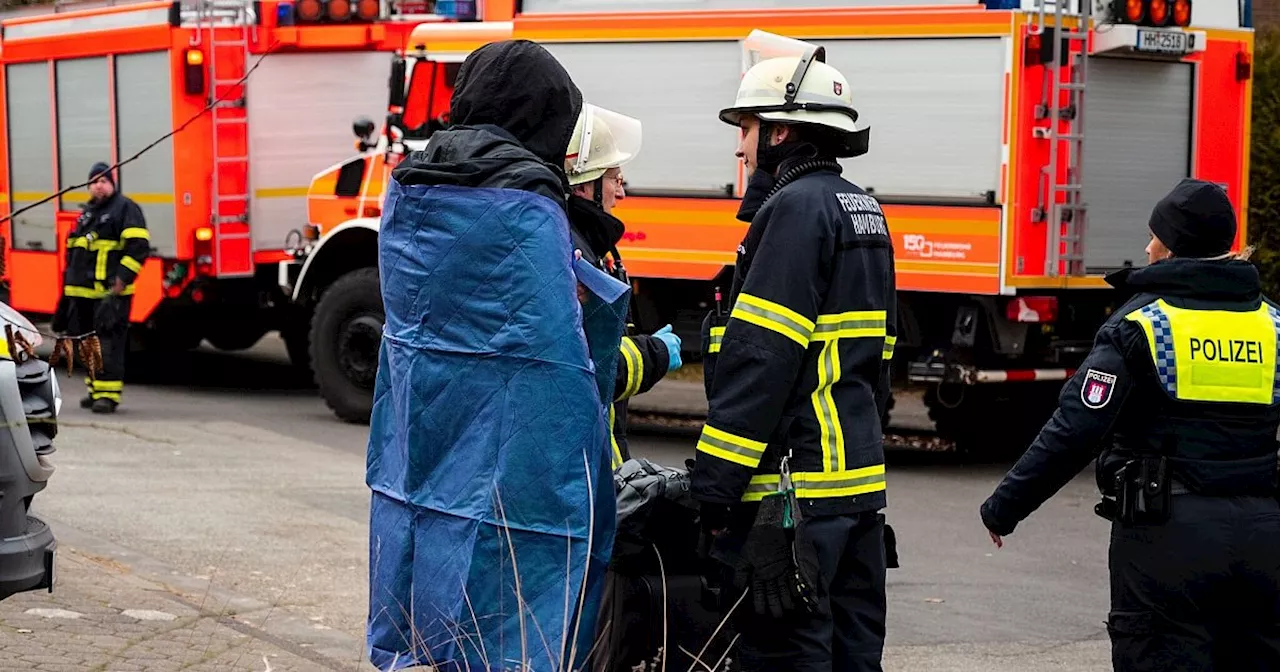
(603, 141)
(798, 378)
(1179, 394)
(105, 253)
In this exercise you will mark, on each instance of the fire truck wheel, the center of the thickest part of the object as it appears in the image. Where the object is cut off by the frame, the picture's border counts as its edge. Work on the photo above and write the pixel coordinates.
(346, 332)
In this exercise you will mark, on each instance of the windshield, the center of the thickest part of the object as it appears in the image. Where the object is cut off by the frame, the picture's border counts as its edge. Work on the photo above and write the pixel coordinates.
(430, 88)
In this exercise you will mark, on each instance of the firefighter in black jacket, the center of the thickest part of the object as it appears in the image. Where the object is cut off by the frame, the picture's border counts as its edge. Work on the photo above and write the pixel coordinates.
(797, 378)
(105, 253)
(603, 142)
(1181, 396)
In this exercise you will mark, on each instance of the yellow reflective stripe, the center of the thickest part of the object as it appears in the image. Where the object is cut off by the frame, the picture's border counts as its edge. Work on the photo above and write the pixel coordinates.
(100, 269)
(831, 435)
(613, 441)
(113, 396)
(635, 362)
(135, 232)
(774, 317)
(131, 264)
(108, 385)
(889, 342)
(717, 336)
(97, 244)
(819, 485)
(730, 447)
(4, 349)
(83, 292)
(853, 324)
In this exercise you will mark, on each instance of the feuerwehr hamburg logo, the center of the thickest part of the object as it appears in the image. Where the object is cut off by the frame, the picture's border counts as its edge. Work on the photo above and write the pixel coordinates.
(1097, 388)
(837, 87)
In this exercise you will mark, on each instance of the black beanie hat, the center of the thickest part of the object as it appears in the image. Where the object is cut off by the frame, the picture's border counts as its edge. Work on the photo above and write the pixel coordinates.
(97, 171)
(1196, 220)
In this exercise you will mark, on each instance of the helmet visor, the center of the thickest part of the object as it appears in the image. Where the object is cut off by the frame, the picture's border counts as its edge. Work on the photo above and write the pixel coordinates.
(761, 46)
(609, 140)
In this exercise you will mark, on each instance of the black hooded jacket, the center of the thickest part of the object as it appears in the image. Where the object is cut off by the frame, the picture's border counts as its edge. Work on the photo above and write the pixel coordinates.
(1214, 447)
(642, 360)
(513, 112)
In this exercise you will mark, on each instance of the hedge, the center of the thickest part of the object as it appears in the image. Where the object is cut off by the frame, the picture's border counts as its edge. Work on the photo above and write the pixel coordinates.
(1264, 174)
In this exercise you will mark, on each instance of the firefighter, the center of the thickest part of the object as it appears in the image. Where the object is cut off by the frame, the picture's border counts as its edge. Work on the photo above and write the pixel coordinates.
(105, 252)
(798, 381)
(1179, 399)
(593, 164)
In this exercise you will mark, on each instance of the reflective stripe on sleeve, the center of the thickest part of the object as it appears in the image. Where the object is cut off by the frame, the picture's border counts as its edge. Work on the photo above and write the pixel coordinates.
(730, 447)
(135, 232)
(131, 264)
(774, 317)
(853, 324)
(635, 367)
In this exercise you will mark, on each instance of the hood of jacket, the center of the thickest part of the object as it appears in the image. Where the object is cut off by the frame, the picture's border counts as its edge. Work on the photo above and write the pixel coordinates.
(513, 112)
(1196, 279)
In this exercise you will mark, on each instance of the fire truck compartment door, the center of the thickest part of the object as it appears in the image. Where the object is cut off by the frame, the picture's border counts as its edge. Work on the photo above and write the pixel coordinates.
(30, 103)
(1137, 125)
(676, 89)
(300, 110)
(936, 111)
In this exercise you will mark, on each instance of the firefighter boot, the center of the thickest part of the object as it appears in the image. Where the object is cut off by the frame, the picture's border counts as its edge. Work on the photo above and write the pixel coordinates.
(104, 406)
(86, 401)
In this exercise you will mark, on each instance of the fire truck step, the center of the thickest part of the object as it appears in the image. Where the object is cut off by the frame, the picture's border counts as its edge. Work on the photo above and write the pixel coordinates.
(232, 43)
(237, 219)
(1069, 187)
(1072, 86)
(232, 159)
(227, 82)
(231, 120)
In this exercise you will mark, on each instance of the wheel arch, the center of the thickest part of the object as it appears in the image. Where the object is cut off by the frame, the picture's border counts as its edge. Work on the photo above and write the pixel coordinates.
(347, 247)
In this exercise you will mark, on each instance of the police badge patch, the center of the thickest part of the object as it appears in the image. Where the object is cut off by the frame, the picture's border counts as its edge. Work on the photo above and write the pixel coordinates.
(1097, 388)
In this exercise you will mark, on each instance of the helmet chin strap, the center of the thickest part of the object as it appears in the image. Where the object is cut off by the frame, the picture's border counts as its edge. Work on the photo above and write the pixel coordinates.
(598, 191)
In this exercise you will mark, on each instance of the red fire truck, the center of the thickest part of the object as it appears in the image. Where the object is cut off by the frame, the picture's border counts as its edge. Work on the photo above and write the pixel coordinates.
(257, 97)
(1017, 145)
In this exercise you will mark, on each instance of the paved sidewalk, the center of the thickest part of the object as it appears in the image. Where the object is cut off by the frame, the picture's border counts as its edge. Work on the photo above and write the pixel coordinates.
(102, 617)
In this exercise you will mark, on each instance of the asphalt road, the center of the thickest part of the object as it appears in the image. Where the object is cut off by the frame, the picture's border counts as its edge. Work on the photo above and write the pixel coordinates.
(225, 474)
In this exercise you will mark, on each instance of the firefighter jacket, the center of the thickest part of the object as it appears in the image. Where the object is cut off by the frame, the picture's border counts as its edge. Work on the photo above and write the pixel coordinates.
(109, 241)
(1186, 369)
(642, 360)
(799, 366)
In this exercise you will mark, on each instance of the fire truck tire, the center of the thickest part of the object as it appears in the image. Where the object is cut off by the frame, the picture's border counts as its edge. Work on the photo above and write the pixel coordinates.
(346, 332)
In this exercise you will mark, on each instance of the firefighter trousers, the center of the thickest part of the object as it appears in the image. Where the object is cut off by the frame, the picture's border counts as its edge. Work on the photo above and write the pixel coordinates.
(851, 587)
(109, 318)
(1200, 592)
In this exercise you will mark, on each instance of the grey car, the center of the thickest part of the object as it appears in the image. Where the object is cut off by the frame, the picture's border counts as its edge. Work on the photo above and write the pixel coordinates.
(29, 404)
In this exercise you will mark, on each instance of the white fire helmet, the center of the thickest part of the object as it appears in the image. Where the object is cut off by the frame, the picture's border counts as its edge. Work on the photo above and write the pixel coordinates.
(602, 139)
(788, 81)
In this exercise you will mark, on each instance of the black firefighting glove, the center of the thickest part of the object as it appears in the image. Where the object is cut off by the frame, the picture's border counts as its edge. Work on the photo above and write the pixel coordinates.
(781, 584)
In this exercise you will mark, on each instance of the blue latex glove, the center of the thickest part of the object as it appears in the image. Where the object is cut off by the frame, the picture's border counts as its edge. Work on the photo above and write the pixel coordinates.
(672, 342)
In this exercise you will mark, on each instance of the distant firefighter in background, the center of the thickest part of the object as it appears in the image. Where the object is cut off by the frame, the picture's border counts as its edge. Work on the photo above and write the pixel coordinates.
(105, 253)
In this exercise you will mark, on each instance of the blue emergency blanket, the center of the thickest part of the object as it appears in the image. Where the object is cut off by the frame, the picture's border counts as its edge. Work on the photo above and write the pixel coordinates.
(493, 510)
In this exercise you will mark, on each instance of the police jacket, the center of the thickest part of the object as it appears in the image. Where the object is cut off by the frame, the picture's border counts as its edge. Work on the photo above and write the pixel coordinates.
(1186, 369)
(642, 360)
(109, 241)
(799, 366)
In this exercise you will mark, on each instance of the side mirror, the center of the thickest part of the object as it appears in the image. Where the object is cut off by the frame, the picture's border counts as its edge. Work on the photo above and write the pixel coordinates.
(363, 127)
(399, 68)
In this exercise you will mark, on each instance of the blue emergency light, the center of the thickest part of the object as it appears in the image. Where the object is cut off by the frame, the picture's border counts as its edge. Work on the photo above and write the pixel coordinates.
(284, 14)
(458, 10)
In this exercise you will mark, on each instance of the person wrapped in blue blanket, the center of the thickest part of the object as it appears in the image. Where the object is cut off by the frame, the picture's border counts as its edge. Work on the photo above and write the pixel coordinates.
(492, 514)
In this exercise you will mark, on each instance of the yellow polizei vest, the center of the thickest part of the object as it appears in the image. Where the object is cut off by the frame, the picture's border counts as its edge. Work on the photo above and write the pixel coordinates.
(1213, 355)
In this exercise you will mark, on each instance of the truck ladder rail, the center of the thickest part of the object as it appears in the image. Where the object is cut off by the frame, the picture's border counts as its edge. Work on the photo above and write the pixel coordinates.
(1065, 218)
(230, 190)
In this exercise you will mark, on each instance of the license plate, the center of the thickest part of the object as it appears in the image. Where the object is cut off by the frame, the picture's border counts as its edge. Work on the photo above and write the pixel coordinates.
(1163, 41)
